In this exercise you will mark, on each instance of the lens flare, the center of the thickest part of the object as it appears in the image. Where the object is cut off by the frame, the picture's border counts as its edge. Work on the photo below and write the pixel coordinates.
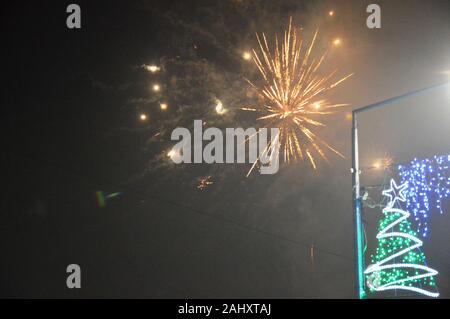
(292, 91)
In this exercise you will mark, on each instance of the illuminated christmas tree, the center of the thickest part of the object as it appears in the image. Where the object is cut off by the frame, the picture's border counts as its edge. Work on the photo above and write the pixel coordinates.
(399, 263)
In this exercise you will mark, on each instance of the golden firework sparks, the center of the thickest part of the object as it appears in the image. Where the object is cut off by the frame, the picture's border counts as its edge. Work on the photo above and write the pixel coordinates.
(337, 42)
(220, 109)
(348, 116)
(292, 90)
(152, 68)
(246, 56)
(204, 182)
(174, 155)
(385, 163)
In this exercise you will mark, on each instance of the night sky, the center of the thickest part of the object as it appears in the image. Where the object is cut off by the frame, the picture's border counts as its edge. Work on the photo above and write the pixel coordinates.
(71, 102)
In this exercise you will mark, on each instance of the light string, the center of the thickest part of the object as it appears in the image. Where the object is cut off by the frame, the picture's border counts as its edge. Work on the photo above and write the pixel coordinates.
(428, 185)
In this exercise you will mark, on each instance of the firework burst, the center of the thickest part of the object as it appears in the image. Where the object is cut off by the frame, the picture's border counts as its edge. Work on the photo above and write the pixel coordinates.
(292, 90)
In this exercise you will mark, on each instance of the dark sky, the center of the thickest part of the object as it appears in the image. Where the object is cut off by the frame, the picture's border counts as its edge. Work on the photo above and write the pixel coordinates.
(70, 106)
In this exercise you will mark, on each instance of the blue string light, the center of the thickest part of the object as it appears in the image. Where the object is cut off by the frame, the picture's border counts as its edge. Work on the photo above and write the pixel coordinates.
(428, 184)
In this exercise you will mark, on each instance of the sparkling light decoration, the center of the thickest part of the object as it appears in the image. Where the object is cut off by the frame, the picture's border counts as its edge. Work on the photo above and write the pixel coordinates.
(399, 264)
(395, 193)
(429, 184)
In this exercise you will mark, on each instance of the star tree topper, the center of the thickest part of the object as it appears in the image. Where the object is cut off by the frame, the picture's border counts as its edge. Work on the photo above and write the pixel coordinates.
(396, 193)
